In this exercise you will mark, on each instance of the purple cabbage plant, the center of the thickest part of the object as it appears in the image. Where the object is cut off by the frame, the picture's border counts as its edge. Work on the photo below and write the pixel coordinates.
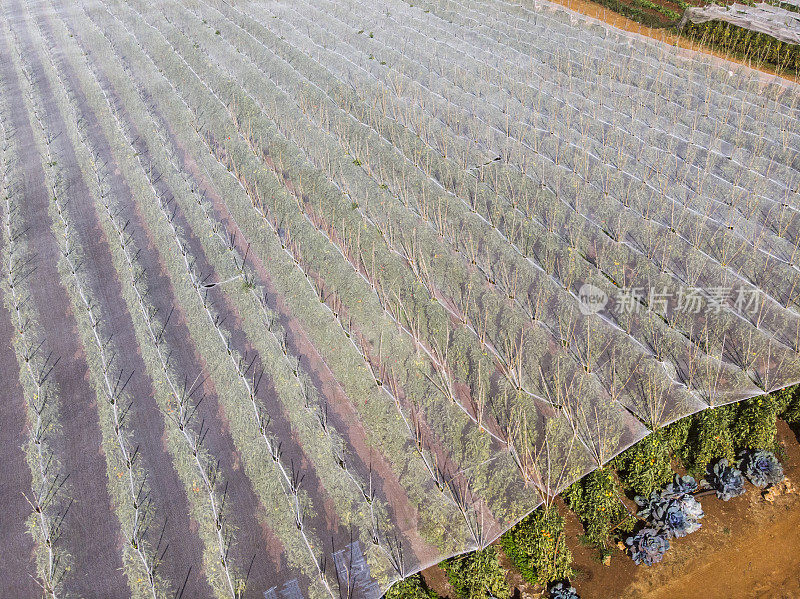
(726, 480)
(647, 504)
(677, 517)
(680, 487)
(562, 590)
(648, 546)
(673, 510)
(761, 468)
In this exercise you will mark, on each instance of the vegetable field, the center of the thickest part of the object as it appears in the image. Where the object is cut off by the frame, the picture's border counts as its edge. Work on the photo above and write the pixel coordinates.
(303, 296)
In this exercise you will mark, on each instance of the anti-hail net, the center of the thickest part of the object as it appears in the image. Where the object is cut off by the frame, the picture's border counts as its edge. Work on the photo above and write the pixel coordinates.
(501, 241)
(627, 214)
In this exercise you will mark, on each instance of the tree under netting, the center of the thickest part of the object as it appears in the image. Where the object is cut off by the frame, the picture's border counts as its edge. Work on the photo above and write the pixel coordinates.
(301, 297)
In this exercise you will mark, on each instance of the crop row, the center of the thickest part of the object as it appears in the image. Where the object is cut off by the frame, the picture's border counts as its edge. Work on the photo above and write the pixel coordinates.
(48, 493)
(749, 44)
(247, 287)
(262, 105)
(127, 477)
(444, 179)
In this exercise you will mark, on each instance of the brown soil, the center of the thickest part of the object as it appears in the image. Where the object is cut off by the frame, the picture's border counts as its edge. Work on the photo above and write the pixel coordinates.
(748, 548)
(597, 11)
(436, 579)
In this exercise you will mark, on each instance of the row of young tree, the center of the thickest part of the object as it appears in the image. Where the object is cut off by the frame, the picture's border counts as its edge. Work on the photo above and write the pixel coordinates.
(752, 46)
(699, 446)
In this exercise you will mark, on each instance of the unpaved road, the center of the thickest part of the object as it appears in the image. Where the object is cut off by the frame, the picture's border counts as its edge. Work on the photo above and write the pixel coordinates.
(748, 548)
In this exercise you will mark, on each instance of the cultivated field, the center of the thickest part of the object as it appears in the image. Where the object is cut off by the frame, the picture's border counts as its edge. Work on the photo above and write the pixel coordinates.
(303, 296)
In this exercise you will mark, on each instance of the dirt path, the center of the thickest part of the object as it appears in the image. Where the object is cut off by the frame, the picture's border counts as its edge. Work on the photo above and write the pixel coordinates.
(748, 548)
(763, 565)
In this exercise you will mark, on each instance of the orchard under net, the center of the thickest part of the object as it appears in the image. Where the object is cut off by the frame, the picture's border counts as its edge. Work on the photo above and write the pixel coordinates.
(303, 296)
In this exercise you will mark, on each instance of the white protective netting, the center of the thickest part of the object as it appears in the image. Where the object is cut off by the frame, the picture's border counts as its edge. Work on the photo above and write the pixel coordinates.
(782, 24)
(474, 248)
(580, 160)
